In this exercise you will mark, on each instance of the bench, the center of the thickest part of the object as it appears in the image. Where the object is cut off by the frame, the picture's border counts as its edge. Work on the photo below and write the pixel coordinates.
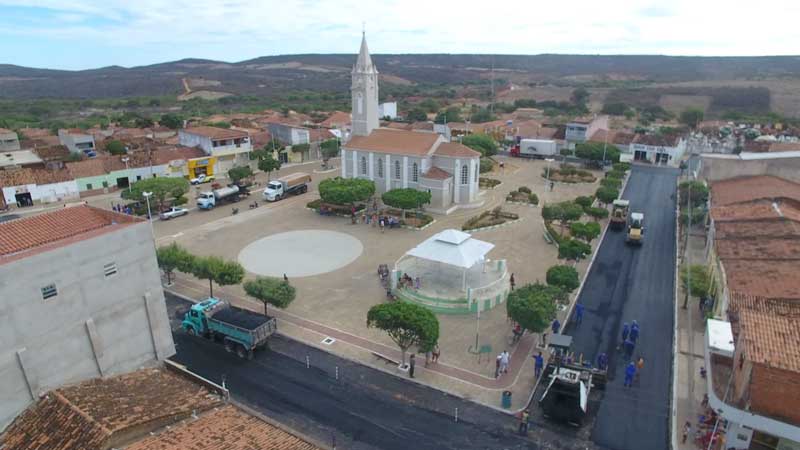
(385, 358)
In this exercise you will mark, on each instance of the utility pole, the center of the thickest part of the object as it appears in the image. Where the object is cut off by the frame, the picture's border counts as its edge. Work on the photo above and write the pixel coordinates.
(686, 251)
(491, 103)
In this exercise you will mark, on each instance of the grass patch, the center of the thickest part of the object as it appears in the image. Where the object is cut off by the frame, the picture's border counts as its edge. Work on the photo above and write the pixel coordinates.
(490, 218)
(570, 174)
(488, 183)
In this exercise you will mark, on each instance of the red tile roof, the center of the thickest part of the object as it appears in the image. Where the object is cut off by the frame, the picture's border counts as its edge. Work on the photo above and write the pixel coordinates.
(400, 142)
(55, 228)
(756, 228)
(760, 248)
(172, 153)
(319, 134)
(107, 412)
(337, 119)
(757, 210)
(435, 173)
(763, 278)
(455, 150)
(23, 176)
(657, 140)
(86, 168)
(746, 189)
(215, 133)
(770, 339)
(227, 428)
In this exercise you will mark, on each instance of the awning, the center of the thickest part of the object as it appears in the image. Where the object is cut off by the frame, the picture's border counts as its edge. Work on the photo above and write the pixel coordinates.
(452, 247)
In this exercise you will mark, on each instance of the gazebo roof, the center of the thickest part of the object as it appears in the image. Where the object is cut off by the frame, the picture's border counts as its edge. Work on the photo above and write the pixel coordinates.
(452, 247)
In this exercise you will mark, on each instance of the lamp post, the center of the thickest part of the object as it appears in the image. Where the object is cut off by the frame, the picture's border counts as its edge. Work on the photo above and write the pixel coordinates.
(147, 196)
(547, 178)
(125, 159)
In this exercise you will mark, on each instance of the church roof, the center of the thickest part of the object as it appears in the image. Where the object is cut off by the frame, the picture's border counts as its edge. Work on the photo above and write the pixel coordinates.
(398, 142)
(456, 150)
(364, 62)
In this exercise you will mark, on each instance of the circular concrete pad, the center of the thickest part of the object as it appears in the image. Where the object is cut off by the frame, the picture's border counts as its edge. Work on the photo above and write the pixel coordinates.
(300, 253)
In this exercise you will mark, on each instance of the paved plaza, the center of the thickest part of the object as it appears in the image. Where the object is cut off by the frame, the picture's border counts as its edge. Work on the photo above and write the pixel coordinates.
(334, 268)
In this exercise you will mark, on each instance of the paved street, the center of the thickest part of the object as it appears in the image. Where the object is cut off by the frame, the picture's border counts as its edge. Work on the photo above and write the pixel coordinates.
(365, 408)
(628, 283)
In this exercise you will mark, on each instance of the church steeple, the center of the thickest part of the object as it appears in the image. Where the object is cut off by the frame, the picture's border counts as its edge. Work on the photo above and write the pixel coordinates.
(364, 91)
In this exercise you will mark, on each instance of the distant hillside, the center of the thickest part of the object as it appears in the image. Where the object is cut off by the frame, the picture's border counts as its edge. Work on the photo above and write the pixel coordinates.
(273, 75)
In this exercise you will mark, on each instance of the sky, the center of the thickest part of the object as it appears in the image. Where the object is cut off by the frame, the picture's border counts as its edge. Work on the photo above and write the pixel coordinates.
(83, 34)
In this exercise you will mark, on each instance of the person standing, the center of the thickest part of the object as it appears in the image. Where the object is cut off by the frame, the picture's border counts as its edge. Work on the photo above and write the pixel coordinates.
(602, 361)
(285, 278)
(556, 326)
(634, 333)
(497, 365)
(412, 362)
(524, 420)
(511, 280)
(436, 353)
(630, 371)
(625, 331)
(505, 359)
(628, 346)
(539, 364)
(578, 313)
(687, 428)
(639, 366)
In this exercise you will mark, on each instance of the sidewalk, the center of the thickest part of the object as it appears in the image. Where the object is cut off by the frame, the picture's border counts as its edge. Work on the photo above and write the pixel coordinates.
(689, 386)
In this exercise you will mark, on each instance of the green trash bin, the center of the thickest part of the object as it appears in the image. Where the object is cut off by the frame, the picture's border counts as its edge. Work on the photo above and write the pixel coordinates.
(506, 399)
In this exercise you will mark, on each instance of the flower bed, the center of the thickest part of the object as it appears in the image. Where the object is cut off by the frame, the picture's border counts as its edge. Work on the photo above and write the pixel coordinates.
(412, 218)
(487, 183)
(333, 210)
(522, 195)
(569, 174)
(489, 218)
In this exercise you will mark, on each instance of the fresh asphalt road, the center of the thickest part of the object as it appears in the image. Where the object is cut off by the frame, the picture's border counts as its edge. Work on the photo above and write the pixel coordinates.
(634, 283)
(364, 409)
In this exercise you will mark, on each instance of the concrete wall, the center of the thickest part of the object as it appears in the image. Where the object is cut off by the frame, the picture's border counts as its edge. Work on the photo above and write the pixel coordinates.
(463, 193)
(46, 193)
(714, 169)
(193, 140)
(95, 326)
(9, 142)
(775, 393)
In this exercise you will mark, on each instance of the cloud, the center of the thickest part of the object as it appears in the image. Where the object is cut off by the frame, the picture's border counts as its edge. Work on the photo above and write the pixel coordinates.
(146, 31)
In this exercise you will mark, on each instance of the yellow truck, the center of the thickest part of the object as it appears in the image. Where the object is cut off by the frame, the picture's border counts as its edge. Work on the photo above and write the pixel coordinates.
(636, 229)
(619, 214)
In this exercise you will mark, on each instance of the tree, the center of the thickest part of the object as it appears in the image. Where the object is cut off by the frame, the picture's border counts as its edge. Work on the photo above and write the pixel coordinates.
(696, 282)
(594, 151)
(268, 164)
(596, 213)
(580, 96)
(270, 291)
(406, 323)
(573, 249)
(482, 143)
(173, 257)
(346, 191)
(407, 198)
(143, 122)
(552, 212)
(611, 182)
(450, 115)
(417, 115)
(584, 201)
(606, 195)
(699, 193)
(216, 269)
(564, 277)
(171, 121)
(116, 147)
(691, 117)
(586, 231)
(532, 306)
(163, 188)
(486, 165)
(614, 109)
(300, 148)
(564, 212)
(482, 115)
(329, 148)
(237, 174)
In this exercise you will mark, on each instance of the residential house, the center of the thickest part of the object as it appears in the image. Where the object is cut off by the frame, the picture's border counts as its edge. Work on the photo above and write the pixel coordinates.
(20, 158)
(9, 141)
(581, 129)
(77, 141)
(52, 156)
(229, 147)
(666, 149)
(26, 186)
(387, 110)
(289, 134)
(82, 298)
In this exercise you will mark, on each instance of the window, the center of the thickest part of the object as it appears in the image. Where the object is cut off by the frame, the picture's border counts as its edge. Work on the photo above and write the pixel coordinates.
(380, 168)
(464, 174)
(88, 186)
(49, 291)
(110, 269)
(363, 165)
(414, 173)
(476, 174)
(105, 184)
(397, 170)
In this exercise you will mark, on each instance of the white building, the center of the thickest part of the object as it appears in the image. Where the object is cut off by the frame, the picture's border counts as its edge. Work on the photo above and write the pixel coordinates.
(405, 159)
(289, 134)
(388, 109)
(581, 129)
(81, 298)
(658, 148)
(77, 141)
(9, 141)
(230, 147)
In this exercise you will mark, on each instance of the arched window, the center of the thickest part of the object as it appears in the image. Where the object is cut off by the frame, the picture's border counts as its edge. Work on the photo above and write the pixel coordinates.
(380, 168)
(414, 173)
(363, 165)
(397, 170)
(476, 175)
(464, 174)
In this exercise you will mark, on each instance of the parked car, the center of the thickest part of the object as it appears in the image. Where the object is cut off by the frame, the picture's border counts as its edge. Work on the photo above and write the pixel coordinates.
(175, 211)
(202, 179)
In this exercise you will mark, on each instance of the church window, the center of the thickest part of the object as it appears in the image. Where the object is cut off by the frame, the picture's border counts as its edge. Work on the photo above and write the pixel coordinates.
(414, 173)
(397, 170)
(363, 165)
(380, 168)
(476, 176)
(464, 174)
(360, 103)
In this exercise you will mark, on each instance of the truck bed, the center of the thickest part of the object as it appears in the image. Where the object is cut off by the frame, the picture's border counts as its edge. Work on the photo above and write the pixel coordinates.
(243, 318)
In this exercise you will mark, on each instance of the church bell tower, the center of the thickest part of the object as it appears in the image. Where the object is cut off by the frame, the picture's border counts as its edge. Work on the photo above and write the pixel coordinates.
(364, 91)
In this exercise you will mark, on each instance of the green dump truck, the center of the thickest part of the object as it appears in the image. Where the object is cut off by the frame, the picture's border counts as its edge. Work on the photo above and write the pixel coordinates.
(241, 331)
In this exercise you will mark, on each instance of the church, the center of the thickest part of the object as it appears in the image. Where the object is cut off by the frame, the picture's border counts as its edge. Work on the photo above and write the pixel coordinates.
(405, 159)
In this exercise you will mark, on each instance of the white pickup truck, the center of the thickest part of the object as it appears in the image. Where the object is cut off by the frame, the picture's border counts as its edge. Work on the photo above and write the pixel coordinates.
(175, 211)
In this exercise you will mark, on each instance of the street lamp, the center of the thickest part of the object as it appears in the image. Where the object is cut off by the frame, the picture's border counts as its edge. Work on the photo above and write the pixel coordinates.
(125, 159)
(147, 196)
(547, 177)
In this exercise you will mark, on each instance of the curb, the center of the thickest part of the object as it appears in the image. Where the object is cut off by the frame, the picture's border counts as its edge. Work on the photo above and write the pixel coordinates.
(528, 204)
(492, 227)
(674, 397)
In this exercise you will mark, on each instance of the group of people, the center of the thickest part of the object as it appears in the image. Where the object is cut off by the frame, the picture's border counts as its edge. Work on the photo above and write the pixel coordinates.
(630, 334)
(431, 356)
(410, 283)
(120, 208)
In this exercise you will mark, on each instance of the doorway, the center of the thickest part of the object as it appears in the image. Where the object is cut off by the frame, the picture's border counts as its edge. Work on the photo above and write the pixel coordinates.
(24, 199)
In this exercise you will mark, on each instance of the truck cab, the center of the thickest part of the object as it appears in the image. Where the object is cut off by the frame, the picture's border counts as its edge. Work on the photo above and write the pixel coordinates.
(274, 191)
(206, 200)
(195, 321)
(619, 213)
(636, 229)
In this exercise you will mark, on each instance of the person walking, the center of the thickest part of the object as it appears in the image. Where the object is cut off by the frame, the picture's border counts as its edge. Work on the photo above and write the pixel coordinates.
(505, 359)
(497, 365)
(412, 362)
(578, 313)
(625, 331)
(436, 353)
(556, 326)
(524, 420)
(630, 371)
(539, 364)
(639, 367)
(634, 333)
(602, 361)
(382, 224)
(285, 278)
(511, 280)
(687, 428)
(628, 346)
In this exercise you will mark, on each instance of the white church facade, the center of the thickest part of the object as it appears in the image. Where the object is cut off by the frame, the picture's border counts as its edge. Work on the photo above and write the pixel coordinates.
(405, 159)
